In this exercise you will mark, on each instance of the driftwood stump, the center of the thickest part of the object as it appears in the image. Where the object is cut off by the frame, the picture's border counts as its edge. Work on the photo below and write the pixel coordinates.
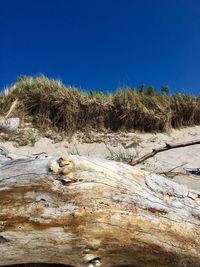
(92, 212)
(9, 124)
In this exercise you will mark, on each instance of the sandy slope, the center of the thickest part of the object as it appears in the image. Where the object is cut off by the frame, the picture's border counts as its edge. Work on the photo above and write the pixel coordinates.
(123, 144)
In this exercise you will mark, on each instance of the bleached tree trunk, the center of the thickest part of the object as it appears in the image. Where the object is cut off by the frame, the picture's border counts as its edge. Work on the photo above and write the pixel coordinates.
(93, 212)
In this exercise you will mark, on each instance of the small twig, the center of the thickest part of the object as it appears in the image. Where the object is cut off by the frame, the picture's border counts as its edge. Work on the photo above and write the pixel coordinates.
(170, 172)
(176, 167)
(13, 153)
(166, 147)
(38, 154)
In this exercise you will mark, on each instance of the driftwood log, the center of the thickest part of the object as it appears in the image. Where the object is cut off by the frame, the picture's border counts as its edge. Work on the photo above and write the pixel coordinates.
(80, 211)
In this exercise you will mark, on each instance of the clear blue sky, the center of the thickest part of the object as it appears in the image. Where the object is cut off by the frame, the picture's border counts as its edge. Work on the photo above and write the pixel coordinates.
(102, 44)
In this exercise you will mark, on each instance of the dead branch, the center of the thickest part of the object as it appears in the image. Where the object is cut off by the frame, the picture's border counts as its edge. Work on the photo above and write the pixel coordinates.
(13, 106)
(161, 149)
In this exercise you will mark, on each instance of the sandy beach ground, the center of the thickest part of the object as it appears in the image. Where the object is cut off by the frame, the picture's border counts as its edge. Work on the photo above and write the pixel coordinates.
(123, 145)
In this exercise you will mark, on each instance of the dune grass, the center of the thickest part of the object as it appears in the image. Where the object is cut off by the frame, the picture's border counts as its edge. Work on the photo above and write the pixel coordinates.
(51, 104)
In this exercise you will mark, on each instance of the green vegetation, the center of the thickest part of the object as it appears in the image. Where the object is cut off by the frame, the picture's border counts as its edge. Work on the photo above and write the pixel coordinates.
(50, 104)
(150, 90)
(121, 156)
(31, 138)
(165, 89)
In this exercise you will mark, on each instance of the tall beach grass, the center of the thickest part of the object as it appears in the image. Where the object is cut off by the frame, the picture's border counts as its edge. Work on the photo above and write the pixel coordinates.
(51, 104)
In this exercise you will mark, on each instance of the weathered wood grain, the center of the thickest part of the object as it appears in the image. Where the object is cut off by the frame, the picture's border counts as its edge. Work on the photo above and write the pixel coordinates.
(92, 212)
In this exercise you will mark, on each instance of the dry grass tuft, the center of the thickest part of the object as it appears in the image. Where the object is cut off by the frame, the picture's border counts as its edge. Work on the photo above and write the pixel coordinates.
(51, 104)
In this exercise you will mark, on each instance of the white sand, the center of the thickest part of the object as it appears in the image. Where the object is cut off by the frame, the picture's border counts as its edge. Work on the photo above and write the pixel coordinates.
(189, 156)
